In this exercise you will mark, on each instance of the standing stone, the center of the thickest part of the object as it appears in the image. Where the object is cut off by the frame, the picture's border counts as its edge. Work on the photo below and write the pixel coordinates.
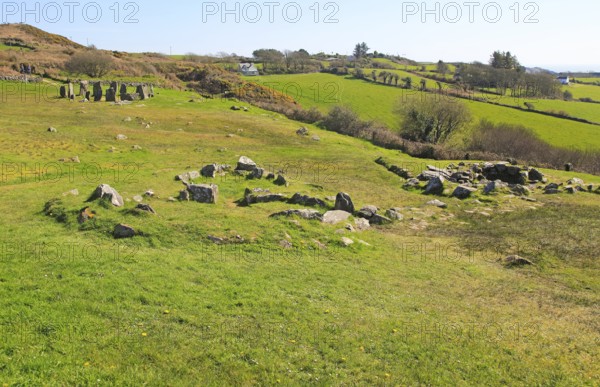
(63, 92)
(83, 88)
(114, 85)
(70, 92)
(343, 202)
(569, 167)
(88, 95)
(152, 91)
(111, 95)
(142, 92)
(123, 90)
(97, 92)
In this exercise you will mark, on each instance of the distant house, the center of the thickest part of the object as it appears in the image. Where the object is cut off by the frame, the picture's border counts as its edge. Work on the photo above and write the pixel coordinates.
(565, 80)
(248, 69)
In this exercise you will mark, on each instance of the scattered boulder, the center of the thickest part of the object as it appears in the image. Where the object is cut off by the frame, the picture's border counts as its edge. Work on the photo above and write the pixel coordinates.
(184, 196)
(302, 132)
(437, 203)
(504, 172)
(569, 167)
(121, 137)
(515, 260)
(188, 176)
(570, 190)
(494, 186)
(105, 191)
(403, 173)
(463, 192)
(411, 183)
(520, 190)
(394, 214)
(335, 217)
(52, 130)
(551, 189)
(535, 175)
(362, 224)
(257, 173)
(250, 197)
(281, 181)
(215, 240)
(211, 171)
(73, 192)
(343, 202)
(304, 214)
(576, 181)
(146, 208)
(305, 200)
(203, 193)
(380, 220)
(435, 186)
(246, 164)
(123, 231)
(367, 212)
(316, 138)
(347, 242)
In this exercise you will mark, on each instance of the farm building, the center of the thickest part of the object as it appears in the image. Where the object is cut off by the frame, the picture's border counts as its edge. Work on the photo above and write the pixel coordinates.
(248, 69)
(565, 80)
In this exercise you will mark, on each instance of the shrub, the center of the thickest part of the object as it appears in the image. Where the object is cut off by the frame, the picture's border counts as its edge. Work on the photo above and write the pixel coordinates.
(432, 120)
(93, 63)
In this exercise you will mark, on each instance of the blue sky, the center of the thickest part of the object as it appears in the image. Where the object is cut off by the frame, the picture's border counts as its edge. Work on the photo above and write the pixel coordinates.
(554, 34)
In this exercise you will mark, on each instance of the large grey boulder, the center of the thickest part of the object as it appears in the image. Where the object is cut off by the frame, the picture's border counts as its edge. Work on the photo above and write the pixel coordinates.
(463, 192)
(343, 202)
(435, 186)
(535, 175)
(188, 176)
(281, 181)
(367, 212)
(123, 231)
(305, 200)
(105, 191)
(203, 193)
(380, 220)
(246, 164)
(335, 217)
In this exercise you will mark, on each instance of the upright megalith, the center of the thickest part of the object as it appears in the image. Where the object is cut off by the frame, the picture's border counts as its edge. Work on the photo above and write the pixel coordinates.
(70, 91)
(123, 90)
(111, 95)
(142, 91)
(63, 92)
(83, 88)
(97, 92)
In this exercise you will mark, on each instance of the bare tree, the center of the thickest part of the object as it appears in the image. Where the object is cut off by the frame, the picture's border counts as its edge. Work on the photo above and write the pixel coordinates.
(93, 63)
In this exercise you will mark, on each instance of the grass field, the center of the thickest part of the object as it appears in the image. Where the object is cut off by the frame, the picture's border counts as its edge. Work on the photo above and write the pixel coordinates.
(377, 102)
(426, 302)
(585, 91)
(4, 47)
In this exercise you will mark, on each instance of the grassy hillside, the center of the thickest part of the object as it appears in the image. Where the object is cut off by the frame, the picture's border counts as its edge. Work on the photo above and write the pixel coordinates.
(377, 102)
(425, 302)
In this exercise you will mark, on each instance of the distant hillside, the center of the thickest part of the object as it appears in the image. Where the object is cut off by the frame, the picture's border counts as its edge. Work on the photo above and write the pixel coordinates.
(33, 37)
